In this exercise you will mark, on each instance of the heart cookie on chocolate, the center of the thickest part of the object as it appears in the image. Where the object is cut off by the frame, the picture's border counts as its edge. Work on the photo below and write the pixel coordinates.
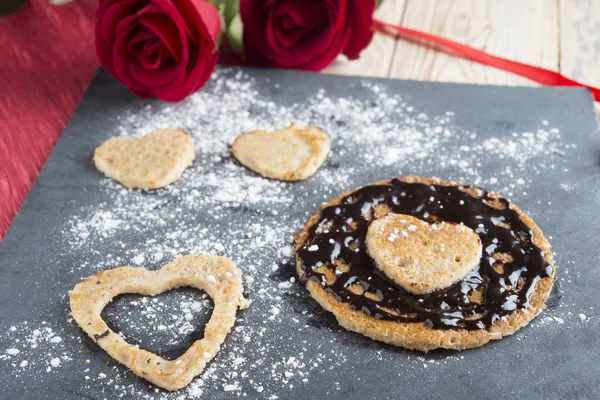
(422, 257)
(425, 263)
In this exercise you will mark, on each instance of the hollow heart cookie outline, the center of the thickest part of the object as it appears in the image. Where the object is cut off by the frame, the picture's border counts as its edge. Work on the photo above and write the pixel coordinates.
(218, 276)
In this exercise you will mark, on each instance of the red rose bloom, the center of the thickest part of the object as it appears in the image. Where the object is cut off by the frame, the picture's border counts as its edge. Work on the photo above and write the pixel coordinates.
(158, 48)
(305, 34)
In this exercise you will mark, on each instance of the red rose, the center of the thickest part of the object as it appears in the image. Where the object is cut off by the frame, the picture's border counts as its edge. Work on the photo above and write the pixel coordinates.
(305, 34)
(158, 48)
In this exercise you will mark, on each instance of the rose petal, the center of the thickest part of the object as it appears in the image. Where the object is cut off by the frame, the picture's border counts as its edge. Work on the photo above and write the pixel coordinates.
(183, 16)
(154, 18)
(307, 13)
(141, 34)
(130, 21)
(162, 48)
(155, 78)
(313, 44)
(361, 26)
(166, 31)
(109, 15)
(123, 30)
(271, 35)
(255, 47)
(139, 37)
(306, 57)
(338, 13)
(314, 62)
(151, 60)
(287, 37)
(266, 46)
(287, 22)
(317, 54)
(152, 54)
(121, 60)
(197, 78)
(132, 73)
(203, 56)
(309, 18)
(198, 18)
(203, 21)
(200, 71)
(211, 20)
(144, 93)
(310, 43)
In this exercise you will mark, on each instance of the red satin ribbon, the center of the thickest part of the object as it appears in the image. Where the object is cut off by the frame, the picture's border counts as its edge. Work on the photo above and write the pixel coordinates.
(537, 74)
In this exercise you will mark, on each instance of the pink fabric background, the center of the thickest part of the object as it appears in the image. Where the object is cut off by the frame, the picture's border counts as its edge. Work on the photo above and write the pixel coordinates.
(47, 61)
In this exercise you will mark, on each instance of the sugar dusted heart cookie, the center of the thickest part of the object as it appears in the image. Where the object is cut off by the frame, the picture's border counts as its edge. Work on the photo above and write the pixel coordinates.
(217, 276)
(290, 154)
(422, 257)
(150, 162)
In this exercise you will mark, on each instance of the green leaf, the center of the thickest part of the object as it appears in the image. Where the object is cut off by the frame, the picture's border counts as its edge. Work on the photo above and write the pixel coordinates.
(235, 34)
(379, 2)
(219, 40)
(232, 9)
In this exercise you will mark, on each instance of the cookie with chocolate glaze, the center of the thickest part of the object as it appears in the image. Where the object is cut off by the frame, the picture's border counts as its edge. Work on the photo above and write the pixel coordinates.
(483, 267)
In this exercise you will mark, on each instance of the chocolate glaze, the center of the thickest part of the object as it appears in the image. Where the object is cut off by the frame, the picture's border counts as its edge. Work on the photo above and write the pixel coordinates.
(504, 288)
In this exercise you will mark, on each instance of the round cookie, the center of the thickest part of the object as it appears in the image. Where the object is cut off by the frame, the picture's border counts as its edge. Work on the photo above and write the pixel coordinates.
(502, 294)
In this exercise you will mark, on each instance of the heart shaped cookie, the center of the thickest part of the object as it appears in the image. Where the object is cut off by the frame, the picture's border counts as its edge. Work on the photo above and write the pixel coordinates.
(218, 276)
(422, 257)
(150, 162)
(290, 154)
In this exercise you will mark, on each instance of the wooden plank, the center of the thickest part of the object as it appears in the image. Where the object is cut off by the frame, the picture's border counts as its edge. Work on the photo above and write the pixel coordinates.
(525, 31)
(375, 60)
(580, 41)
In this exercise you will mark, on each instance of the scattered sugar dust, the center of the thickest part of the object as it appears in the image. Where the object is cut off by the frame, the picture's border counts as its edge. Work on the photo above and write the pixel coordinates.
(219, 207)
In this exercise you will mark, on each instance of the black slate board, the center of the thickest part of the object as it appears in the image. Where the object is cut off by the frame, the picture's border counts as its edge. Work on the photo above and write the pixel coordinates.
(559, 361)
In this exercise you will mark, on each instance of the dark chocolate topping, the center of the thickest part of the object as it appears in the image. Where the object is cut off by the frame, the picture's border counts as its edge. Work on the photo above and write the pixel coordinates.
(510, 268)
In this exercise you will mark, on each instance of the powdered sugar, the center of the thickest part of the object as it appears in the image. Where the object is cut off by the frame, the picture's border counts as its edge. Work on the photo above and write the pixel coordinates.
(221, 208)
(37, 348)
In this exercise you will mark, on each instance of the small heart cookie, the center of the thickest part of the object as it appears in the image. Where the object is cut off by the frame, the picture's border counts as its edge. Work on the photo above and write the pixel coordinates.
(150, 162)
(218, 276)
(291, 154)
(422, 257)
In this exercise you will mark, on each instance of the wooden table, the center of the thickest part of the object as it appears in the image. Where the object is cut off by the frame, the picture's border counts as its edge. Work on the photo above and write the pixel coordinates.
(48, 60)
(562, 35)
